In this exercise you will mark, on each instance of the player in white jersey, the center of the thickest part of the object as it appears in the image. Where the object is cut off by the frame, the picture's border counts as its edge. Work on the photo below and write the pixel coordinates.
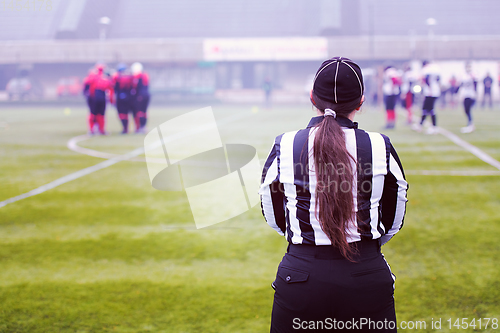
(391, 90)
(409, 80)
(431, 90)
(468, 92)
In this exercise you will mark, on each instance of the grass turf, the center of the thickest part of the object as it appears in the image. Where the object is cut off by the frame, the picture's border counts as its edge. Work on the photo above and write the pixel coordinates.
(107, 252)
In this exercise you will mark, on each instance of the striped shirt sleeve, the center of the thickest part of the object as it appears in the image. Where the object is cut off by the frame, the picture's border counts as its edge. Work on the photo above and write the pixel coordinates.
(393, 201)
(272, 192)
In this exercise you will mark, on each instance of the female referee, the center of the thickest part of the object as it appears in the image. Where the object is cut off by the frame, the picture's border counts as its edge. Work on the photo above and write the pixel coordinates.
(337, 193)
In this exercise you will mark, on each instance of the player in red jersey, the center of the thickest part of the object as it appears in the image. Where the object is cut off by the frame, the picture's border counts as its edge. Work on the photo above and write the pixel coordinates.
(141, 96)
(407, 96)
(90, 101)
(122, 84)
(97, 84)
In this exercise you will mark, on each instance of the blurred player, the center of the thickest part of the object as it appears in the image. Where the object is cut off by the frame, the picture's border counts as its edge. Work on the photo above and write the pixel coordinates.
(488, 83)
(267, 87)
(89, 99)
(467, 91)
(431, 90)
(391, 90)
(453, 90)
(407, 96)
(122, 84)
(97, 84)
(140, 93)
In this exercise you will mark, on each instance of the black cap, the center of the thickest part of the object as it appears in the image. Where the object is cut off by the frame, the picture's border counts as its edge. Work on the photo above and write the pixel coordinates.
(339, 80)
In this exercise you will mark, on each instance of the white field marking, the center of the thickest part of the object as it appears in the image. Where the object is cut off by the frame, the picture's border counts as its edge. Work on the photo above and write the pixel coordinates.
(473, 149)
(74, 176)
(111, 161)
(452, 172)
(73, 144)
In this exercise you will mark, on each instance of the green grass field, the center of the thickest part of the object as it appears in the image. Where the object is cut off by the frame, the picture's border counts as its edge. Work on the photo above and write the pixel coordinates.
(108, 253)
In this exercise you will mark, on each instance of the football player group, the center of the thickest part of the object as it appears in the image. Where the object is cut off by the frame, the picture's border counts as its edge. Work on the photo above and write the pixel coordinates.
(402, 86)
(127, 89)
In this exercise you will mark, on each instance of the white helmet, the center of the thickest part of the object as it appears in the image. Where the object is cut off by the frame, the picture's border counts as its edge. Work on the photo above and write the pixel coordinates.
(136, 68)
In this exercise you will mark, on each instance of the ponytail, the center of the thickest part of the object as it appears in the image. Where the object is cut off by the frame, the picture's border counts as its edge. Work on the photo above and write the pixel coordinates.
(335, 176)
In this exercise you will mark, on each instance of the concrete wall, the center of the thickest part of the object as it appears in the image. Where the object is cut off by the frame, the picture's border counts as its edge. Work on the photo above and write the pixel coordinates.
(360, 48)
(92, 51)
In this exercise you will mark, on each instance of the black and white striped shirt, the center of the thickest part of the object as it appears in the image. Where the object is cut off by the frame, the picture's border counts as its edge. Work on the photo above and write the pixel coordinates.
(289, 185)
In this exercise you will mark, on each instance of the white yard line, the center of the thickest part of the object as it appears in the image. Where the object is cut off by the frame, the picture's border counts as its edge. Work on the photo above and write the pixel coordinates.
(473, 149)
(111, 160)
(74, 176)
(73, 143)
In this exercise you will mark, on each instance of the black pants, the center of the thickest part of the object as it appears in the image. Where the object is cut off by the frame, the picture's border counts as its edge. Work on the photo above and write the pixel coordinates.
(98, 105)
(123, 105)
(142, 103)
(317, 290)
(428, 107)
(468, 103)
(487, 95)
(390, 101)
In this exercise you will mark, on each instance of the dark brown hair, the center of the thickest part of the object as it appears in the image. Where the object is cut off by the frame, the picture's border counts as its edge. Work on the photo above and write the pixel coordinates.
(334, 171)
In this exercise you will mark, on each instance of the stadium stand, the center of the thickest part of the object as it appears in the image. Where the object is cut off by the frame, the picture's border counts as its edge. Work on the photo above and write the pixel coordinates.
(29, 24)
(239, 18)
(454, 17)
(70, 19)
(170, 37)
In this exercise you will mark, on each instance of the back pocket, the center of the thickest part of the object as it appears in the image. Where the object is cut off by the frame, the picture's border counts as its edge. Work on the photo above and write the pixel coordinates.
(291, 289)
(292, 275)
